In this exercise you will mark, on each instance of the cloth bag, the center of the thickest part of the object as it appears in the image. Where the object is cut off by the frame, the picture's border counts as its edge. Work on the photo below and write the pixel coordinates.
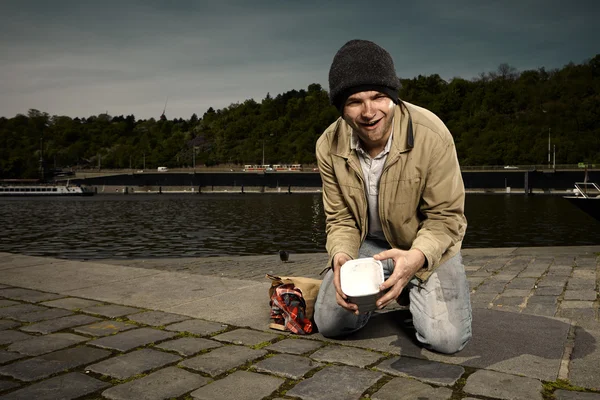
(292, 300)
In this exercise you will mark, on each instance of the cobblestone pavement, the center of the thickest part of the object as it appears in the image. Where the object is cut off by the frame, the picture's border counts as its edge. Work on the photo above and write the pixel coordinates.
(536, 328)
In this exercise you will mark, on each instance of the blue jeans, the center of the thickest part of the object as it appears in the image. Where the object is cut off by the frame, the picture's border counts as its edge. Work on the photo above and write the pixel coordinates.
(440, 306)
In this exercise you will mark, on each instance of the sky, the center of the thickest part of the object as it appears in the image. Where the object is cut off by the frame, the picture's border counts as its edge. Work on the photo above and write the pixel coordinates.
(80, 58)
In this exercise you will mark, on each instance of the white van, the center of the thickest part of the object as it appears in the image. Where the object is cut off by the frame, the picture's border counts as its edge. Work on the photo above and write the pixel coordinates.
(163, 169)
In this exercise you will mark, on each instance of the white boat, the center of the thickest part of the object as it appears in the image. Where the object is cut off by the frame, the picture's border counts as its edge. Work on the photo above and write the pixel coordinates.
(586, 196)
(18, 187)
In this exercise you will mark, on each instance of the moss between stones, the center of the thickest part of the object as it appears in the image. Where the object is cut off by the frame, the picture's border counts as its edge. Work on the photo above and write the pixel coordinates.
(261, 345)
(550, 387)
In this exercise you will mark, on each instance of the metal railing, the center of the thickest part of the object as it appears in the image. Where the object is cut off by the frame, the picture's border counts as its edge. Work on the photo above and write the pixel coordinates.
(587, 189)
(538, 167)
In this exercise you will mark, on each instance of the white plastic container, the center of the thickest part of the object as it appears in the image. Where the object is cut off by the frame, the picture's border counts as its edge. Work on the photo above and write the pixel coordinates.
(360, 280)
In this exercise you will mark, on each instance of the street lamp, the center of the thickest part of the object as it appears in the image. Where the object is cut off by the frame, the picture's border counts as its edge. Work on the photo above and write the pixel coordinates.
(549, 147)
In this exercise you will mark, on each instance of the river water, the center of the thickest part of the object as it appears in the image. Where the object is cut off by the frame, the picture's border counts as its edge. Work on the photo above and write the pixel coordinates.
(143, 226)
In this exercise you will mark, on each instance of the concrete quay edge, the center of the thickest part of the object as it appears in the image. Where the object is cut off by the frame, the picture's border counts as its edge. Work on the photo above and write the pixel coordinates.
(536, 331)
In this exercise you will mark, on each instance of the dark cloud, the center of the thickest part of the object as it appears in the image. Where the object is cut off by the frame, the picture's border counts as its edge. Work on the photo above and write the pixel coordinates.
(80, 58)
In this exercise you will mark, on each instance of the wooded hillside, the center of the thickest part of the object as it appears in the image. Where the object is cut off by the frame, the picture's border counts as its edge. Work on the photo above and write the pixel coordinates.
(500, 118)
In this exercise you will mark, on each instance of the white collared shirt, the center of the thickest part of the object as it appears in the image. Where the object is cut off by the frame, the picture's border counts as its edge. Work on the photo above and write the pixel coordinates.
(372, 168)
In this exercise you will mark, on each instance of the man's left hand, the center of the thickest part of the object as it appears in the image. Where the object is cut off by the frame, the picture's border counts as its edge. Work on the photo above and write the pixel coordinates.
(406, 264)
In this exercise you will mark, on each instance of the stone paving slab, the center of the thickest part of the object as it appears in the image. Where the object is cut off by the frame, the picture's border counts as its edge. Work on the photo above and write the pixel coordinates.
(584, 280)
(19, 261)
(104, 328)
(39, 345)
(157, 318)
(7, 356)
(548, 291)
(503, 386)
(584, 369)
(336, 383)
(65, 387)
(197, 327)
(31, 296)
(6, 303)
(43, 366)
(16, 310)
(189, 346)
(222, 359)
(255, 297)
(44, 315)
(241, 385)
(346, 355)
(555, 281)
(111, 310)
(73, 277)
(287, 365)
(246, 337)
(58, 324)
(382, 334)
(128, 340)
(9, 336)
(410, 389)
(6, 385)
(423, 370)
(580, 294)
(71, 303)
(295, 346)
(134, 363)
(568, 395)
(513, 343)
(163, 384)
(168, 291)
(8, 324)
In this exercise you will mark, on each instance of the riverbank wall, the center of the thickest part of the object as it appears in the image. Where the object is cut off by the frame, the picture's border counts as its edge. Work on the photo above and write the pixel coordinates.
(502, 181)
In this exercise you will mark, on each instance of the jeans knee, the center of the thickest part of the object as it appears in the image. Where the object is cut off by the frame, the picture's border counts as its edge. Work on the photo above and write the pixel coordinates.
(326, 329)
(449, 341)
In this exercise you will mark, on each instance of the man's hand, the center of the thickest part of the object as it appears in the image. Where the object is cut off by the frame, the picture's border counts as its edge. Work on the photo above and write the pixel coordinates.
(406, 264)
(338, 260)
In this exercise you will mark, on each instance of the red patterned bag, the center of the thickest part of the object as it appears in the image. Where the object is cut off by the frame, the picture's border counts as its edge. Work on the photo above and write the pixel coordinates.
(292, 302)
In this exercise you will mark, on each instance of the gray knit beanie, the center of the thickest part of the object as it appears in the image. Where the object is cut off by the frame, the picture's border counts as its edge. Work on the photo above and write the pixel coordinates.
(361, 65)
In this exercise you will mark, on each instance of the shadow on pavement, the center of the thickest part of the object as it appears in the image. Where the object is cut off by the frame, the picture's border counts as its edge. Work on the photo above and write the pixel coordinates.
(503, 341)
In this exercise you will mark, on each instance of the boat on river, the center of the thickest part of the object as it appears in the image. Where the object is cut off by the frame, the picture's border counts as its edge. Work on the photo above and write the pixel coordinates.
(31, 187)
(586, 196)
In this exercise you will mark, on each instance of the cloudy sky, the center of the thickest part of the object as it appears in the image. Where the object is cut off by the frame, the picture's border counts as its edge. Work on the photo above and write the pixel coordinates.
(85, 57)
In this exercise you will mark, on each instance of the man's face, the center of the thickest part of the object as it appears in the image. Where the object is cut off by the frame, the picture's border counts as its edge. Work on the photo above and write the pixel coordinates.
(370, 114)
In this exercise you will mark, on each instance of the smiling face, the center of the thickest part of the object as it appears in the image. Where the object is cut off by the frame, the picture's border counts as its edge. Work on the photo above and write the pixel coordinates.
(370, 114)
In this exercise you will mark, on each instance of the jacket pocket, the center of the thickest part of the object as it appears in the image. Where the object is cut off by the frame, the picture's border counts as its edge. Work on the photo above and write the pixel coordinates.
(404, 201)
(407, 191)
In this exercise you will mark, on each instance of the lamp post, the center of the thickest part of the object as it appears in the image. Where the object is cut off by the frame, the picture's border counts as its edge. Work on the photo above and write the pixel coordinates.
(42, 177)
(549, 147)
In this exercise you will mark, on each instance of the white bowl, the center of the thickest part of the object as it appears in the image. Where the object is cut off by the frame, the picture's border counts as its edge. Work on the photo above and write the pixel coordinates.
(360, 280)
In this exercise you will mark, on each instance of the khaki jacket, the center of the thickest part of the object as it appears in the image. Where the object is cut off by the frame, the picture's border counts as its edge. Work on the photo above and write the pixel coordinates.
(421, 191)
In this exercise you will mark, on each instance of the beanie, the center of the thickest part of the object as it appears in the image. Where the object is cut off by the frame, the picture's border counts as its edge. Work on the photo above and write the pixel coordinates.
(358, 66)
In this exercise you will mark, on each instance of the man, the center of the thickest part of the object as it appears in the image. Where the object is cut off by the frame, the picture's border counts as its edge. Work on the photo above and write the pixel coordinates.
(392, 190)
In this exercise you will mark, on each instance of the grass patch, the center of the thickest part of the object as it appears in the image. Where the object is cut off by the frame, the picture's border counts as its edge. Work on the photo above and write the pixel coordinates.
(549, 388)
(261, 345)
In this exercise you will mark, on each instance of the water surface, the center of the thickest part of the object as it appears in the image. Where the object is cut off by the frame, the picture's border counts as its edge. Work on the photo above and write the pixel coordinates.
(141, 226)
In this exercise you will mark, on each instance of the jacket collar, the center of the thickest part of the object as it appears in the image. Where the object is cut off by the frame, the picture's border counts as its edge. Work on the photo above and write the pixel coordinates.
(402, 140)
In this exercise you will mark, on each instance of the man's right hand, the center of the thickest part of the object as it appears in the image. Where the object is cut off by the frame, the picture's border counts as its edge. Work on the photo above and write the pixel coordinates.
(338, 260)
